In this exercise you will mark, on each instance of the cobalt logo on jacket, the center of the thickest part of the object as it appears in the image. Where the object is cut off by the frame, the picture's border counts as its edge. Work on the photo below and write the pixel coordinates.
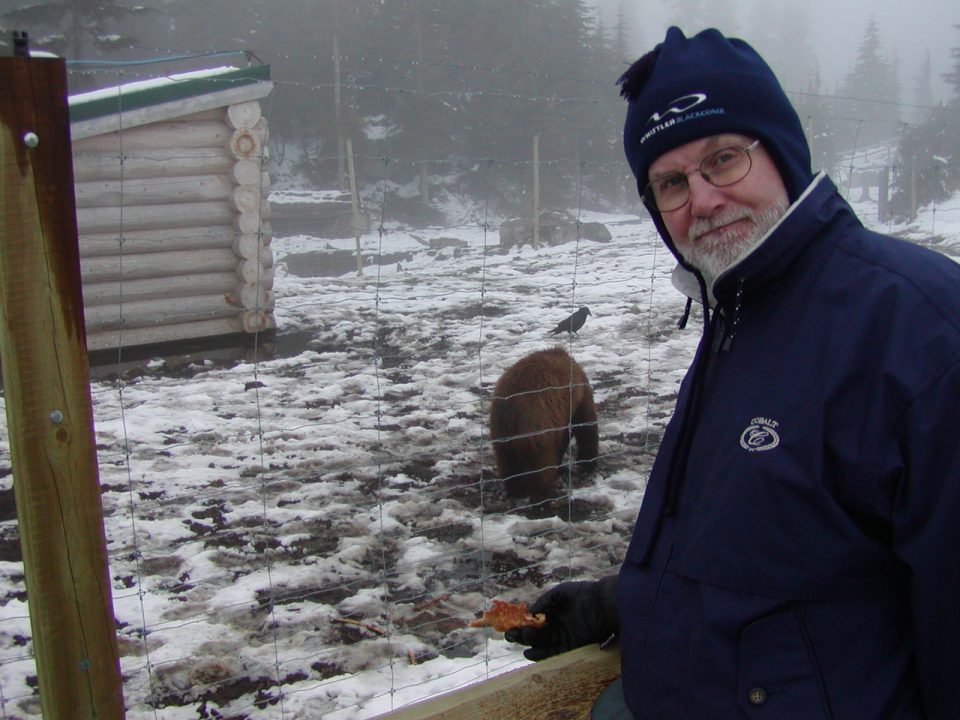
(760, 435)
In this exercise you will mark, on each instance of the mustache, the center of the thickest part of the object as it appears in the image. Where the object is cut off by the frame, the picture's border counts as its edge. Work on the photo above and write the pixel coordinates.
(701, 226)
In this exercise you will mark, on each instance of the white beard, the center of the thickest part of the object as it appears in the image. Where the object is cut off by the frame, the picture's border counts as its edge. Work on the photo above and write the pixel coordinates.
(714, 255)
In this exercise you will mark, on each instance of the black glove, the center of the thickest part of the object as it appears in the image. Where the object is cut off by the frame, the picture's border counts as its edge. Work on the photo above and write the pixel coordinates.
(578, 613)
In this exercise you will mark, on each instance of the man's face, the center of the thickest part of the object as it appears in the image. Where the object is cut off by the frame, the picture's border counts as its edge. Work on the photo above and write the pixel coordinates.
(718, 225)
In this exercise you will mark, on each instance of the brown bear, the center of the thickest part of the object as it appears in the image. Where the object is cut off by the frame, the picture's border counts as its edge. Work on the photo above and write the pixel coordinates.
(536, 404)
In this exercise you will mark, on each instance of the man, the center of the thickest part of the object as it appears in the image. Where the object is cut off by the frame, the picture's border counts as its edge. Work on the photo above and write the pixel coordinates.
(797, 551)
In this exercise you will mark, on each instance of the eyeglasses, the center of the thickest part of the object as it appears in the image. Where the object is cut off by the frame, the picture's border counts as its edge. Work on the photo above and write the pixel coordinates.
(720, 168)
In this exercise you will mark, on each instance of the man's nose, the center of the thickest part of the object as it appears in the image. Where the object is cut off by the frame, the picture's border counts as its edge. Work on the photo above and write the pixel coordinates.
(705, 199)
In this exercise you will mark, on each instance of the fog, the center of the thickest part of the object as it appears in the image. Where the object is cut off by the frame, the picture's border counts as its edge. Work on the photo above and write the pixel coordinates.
(835, 29)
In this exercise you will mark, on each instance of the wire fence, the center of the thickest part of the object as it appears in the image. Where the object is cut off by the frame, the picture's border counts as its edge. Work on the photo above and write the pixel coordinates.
(306, 528)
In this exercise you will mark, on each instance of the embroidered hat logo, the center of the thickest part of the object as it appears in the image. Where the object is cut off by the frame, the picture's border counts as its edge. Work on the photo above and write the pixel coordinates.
(760, 435)
(678, 106)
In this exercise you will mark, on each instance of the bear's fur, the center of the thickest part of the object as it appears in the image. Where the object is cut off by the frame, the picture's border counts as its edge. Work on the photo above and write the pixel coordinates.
(536, 403)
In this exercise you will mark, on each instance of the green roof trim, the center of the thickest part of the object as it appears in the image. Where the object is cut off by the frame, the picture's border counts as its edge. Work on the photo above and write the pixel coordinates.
(159, 92)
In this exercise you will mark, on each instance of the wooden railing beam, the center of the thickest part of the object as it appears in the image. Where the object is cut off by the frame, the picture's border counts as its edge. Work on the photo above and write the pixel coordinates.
(563, 687)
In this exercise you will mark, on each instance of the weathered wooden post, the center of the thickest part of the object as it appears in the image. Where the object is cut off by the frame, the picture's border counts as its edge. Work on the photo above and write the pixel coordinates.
(355, 205)
(49, 414)
(536, 191)
(913, 188)
(883, 194)
(338, 121)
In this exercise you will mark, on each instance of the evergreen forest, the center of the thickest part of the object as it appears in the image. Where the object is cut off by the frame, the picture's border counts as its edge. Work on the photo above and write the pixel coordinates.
(441, 87)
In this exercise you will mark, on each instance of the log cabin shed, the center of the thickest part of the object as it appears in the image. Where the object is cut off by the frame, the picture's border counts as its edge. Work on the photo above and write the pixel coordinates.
(172, 214)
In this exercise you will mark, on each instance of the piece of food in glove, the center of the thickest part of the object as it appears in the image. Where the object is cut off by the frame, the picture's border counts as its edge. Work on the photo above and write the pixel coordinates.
(503, 616)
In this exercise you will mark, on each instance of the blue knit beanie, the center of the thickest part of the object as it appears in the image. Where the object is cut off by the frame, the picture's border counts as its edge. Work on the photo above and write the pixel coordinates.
(708, 85)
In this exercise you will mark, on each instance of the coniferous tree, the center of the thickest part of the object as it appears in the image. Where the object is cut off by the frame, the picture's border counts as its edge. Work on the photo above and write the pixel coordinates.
(607, 176)
(953, 75)
(456, 85)
(75, 29)
(926, 164)
(923, 88)
(949, 117)
(928, 156)
(622, 49)
(870, 94)
(815, 109)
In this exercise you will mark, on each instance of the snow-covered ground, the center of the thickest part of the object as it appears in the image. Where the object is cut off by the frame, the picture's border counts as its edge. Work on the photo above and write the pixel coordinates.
(307, 533)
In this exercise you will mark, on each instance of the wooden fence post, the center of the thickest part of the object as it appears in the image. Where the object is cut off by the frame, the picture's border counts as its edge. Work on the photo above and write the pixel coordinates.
(536, 191)
(355, 205)
(913, 188)
(49, 413)
(883, 194)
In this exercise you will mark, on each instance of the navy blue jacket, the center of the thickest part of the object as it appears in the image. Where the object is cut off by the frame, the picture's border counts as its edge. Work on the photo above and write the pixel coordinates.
(797, 552)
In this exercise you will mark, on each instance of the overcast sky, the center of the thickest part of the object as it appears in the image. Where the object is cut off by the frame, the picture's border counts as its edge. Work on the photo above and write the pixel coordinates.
(907, 27)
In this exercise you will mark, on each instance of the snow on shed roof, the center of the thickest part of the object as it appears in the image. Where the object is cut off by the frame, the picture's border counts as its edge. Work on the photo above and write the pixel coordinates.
(146, 101)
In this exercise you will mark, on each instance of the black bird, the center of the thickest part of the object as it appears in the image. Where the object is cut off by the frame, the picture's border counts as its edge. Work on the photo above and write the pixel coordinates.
(572, 323)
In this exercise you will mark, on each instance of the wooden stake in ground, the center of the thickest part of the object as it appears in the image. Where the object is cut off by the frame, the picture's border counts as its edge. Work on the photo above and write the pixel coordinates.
(49, 415)
(355, 203)
(536, 191)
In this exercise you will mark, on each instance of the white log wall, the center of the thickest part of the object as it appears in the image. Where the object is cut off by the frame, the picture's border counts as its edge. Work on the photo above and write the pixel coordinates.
(174, 228)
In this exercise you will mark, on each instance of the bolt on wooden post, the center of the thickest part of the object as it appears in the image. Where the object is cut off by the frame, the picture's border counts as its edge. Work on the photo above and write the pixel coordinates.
(49, 413)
